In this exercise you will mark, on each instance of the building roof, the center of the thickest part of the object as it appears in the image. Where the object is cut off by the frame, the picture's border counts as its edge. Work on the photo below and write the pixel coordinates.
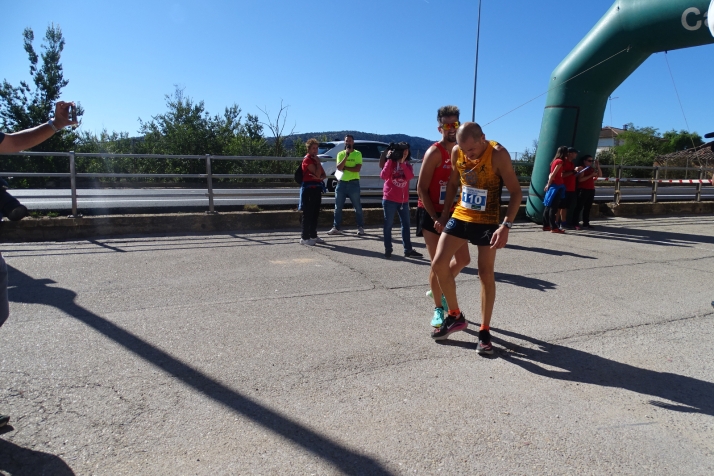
(703, 154)
(609, 132)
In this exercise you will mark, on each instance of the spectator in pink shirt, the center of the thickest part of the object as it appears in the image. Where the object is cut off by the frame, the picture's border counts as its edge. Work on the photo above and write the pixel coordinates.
(396, 173)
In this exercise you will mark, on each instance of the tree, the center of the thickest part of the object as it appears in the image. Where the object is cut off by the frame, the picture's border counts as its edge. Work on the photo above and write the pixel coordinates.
(28, 106)
(277, 128)
(186, 128)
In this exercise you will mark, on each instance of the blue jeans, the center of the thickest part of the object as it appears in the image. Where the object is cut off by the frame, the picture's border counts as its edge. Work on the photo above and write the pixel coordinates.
(389, 209)
(344, 190)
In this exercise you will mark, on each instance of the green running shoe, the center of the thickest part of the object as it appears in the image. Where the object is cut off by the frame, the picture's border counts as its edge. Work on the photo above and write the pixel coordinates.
(444, 305)
(438, 318)
(429, 294)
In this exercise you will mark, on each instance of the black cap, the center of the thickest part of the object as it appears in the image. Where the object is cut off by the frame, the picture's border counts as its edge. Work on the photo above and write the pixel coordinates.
(709, 136)
(573, 149)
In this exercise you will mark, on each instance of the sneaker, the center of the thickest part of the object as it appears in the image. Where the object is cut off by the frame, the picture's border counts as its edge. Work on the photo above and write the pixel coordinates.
(546, 228)
(557, 230)
(438, 318)
(450, 325)
(445, 306)
(318, 240)
(360, 231)
(4, 420)
(578, 228)
(589, 226)
(484, 343)
(307, 242)
(387, 254)
(335, 231)
(413, 254)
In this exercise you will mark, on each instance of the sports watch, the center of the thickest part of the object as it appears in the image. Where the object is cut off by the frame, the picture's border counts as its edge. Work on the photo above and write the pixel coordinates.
(507, 224)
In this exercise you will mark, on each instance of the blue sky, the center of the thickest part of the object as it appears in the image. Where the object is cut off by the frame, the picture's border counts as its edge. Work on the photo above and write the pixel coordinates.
(337, 63)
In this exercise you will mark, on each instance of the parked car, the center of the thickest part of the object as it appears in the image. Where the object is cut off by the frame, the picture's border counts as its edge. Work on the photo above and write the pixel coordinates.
(369, 175)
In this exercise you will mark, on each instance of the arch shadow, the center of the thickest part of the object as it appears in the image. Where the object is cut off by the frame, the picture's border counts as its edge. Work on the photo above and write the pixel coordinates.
(28, 290)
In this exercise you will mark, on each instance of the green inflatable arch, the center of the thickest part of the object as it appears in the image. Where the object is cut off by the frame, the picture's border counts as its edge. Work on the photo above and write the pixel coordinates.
(618, 44)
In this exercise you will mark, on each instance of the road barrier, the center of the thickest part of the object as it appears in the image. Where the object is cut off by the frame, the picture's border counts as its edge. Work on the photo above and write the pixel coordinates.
(209, 176)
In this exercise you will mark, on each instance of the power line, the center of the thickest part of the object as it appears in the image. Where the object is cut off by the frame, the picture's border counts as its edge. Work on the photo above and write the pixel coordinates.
(559, 85)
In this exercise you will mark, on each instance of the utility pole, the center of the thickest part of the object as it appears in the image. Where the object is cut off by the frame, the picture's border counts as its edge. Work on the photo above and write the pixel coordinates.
(478, 36)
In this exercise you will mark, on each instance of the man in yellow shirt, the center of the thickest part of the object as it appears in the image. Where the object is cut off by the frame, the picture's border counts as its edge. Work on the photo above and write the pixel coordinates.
(349, 163)
(481, 168)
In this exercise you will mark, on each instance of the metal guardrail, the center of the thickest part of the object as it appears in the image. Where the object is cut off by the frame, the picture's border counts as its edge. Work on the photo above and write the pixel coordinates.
(209, 176)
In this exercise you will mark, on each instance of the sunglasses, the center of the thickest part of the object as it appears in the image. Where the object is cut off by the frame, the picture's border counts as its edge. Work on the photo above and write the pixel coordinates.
(451, 125)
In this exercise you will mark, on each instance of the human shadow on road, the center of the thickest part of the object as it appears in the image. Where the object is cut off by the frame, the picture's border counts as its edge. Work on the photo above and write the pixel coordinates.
(651, 237)
(29, 290)
(690, 394)
(20, 461)
(547, 251)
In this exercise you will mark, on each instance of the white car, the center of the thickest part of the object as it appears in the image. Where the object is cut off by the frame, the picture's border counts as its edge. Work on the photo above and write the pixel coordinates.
(369, 174)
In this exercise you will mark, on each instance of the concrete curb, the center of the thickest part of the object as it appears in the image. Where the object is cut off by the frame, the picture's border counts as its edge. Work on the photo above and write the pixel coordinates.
(62, 229)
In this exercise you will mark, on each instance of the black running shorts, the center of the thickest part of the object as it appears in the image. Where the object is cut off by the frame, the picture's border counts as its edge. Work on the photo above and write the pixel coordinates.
(570, 197)
(476, 233)
(426, 223)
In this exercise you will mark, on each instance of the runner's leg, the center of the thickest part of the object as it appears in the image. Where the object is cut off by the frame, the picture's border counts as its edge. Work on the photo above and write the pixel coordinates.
(446, 249)
(486, 263)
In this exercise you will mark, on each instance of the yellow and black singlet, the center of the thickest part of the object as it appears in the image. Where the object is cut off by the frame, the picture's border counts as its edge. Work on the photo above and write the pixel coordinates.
(480, 200)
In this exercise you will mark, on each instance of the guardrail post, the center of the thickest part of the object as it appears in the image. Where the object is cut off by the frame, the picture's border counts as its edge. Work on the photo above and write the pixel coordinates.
(618, 174)
(654, 185)
(209, 180)
(699, 185)
(73, 184)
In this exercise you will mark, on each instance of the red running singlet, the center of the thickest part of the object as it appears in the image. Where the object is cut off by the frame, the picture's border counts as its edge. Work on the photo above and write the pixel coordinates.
(437, 187)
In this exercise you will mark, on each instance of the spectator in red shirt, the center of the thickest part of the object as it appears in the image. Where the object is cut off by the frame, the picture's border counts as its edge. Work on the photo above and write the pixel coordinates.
(587, 174)
(569, 179)
(311, 194)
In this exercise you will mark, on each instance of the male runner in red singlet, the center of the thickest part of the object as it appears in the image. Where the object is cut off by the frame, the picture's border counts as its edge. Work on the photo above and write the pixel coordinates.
(481, 168)
(433, 177)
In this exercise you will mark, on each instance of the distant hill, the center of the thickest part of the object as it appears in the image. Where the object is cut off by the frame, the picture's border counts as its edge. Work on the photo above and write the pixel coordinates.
(419, 145)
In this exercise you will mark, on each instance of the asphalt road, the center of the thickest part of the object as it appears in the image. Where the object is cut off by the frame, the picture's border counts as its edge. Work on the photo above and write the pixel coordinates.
(103, 199)
(246, 353)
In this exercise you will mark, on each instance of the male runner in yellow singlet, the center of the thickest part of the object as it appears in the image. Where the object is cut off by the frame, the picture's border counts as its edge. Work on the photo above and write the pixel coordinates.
(481, 167)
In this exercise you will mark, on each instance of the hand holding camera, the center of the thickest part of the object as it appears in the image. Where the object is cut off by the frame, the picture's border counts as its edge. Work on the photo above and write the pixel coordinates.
(396, 151)
(65, 114)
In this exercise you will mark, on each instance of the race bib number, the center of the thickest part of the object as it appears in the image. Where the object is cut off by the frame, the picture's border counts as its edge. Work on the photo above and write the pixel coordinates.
(474, 198)
(442, 194)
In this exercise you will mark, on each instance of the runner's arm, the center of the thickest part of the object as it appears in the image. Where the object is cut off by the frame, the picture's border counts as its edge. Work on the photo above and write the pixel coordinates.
(504, 169)
(451, 188)
(431, 161)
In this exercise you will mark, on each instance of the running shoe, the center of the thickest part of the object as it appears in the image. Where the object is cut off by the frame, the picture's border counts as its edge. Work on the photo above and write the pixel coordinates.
(335, 231)
(578, 228)
(307, 242)
(4, 420)
(444, 305)
(360, 231)
(589, 226)
(438, 318)
(546, 228)
(557, 230)
(450, 325)
(484, 343)
(388, 253)
(413, 254)
(318, 240)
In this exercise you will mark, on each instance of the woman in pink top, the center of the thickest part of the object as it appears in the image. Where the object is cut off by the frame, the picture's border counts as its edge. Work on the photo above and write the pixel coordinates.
(396, 175)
